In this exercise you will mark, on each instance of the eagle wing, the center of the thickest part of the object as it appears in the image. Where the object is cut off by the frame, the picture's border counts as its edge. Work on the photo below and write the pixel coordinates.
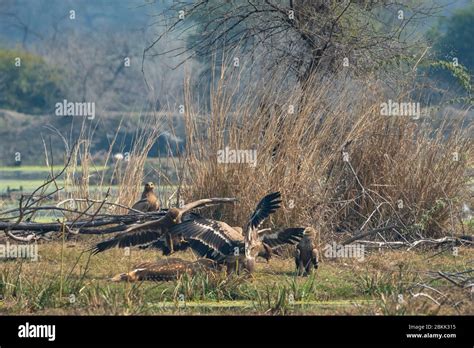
(315, 257)
(136, 235)
(209, 238)
(152, 230)
(141, 205)
(178, 243)
(157, 244)
(267, 205)
(207, 202)
(150, 203)
(290, 236)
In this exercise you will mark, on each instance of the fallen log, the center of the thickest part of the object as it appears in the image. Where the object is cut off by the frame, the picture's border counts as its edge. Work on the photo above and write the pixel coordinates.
(434, 242)
(105, 225)
(121, 220)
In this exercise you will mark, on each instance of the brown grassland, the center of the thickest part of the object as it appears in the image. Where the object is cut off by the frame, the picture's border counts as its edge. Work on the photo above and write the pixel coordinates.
(383, 283)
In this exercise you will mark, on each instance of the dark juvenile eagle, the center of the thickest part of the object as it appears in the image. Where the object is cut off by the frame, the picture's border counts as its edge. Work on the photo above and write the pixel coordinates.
(149, 201)
(306, 253)
(167, 269)
(224, 244)
(156, 230)
(275, 240)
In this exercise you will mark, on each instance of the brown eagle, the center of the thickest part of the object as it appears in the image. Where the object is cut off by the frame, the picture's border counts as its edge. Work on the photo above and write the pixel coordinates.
(276, 240)
(156, 230)
(306, 253)
(224, 244)
(149, 201)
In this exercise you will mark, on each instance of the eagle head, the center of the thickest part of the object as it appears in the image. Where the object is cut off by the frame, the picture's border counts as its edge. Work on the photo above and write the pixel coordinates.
(149, 186)
(174, 215)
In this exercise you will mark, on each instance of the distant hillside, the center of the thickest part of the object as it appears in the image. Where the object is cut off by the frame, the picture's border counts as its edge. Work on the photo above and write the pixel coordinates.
(24, 134)
(44, 17)
(97, 55)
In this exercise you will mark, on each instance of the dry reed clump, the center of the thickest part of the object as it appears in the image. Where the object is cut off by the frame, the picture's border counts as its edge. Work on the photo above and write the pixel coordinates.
(130, 183)
(121, 178)
(340, 164)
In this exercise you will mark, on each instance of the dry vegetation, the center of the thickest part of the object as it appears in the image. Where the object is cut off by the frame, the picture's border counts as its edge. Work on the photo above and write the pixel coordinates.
(341, 286)
(126, 174)
(301, 153)
(399, 171)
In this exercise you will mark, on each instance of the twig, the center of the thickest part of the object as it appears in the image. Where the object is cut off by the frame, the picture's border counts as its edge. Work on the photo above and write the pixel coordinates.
(97, 201)
(427, 296)
(29, 238)
(449, 279)
(371, 232)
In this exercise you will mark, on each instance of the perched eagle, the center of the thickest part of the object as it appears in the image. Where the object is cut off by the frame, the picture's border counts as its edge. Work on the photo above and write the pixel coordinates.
(148, 201)
(167, 269)
(306, 253)
(224, 244)
(156, 230)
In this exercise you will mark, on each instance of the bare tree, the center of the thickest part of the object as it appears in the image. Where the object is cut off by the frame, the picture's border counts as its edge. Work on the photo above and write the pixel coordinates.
(304, 36)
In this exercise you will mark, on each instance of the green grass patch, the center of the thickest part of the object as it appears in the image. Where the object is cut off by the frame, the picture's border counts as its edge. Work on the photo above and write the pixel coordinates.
(338, 287)
(26, 185)
(38, 169)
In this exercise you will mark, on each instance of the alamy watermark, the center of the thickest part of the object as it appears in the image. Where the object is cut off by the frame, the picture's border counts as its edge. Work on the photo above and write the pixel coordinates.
(19, 251)
(334, 250)
(67, 108)
(37, 331)
(237, 156)
(393, 108)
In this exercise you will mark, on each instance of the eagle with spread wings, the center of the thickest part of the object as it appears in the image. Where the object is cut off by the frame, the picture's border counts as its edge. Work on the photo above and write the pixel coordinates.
(224, 244)
(158, 230)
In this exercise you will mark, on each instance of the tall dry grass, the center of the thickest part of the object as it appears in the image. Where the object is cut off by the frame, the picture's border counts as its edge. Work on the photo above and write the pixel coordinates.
(126, 175)
(398, 171)
(340, 165)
